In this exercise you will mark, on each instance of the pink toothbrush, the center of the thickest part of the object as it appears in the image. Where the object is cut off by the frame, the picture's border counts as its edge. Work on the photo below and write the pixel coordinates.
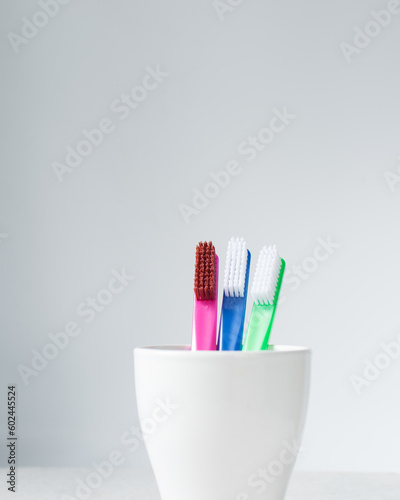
(205, 300)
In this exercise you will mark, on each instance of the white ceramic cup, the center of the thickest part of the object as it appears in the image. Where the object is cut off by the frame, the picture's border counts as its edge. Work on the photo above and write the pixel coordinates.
(222, 425)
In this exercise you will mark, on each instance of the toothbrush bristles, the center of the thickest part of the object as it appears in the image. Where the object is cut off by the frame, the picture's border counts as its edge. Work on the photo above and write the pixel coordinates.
(204, 274)
(235, 268)
(266, 276)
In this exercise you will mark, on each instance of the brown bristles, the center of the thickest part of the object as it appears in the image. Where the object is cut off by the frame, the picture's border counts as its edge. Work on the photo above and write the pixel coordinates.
(204, 273)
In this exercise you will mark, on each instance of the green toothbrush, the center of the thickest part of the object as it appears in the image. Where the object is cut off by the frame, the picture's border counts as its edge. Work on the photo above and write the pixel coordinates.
(265, 292)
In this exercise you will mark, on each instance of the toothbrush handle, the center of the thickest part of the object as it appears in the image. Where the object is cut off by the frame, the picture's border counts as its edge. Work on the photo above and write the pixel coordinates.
(204, 328)
(231, 324)
(261, 320)
(233, 313)
(259, 329)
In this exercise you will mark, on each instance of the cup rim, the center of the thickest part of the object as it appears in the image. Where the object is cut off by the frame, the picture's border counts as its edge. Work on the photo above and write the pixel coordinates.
(185, 350)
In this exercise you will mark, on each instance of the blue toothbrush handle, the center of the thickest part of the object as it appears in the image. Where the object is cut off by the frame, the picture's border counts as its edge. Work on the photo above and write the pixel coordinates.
(233, 313)
(232, 324)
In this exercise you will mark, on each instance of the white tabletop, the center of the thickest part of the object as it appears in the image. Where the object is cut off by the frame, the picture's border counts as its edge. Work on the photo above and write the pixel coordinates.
(138, 484)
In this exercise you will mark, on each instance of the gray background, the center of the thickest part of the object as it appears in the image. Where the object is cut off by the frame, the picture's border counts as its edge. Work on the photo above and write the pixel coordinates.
(323, 176)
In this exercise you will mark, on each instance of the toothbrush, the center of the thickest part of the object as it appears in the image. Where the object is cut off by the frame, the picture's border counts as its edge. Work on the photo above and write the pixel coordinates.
(236, 280)
(205, 299)
(265, 291)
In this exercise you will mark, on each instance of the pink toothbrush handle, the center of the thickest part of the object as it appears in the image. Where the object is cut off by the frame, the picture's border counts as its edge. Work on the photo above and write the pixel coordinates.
(204, 327)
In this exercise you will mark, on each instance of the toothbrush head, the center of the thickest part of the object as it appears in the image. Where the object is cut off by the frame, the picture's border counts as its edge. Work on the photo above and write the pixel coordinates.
(205, 271)
(235, 268)
(265, 281)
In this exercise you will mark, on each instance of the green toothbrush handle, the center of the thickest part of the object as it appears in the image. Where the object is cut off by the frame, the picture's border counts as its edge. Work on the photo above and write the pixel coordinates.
(261, 320)
(260, 324)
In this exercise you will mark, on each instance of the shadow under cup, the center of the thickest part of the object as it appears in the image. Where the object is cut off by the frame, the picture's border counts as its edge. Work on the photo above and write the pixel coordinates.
(222, 425)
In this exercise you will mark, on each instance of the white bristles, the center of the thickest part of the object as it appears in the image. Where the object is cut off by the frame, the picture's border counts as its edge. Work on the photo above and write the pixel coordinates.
(235, 268)
(266, 276)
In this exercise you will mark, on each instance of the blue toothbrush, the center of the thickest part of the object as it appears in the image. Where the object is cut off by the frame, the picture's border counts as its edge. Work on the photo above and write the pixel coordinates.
(236, 282)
